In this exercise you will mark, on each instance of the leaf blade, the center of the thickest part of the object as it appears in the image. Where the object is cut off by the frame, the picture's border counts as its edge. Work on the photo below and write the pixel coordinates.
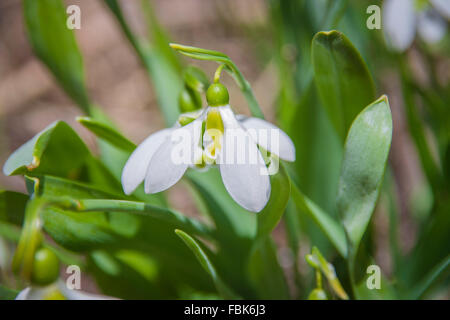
(365, 156)
(342, 78)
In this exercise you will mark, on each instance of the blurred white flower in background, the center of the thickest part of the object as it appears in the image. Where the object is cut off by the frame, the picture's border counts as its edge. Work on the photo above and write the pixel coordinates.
(402, 18)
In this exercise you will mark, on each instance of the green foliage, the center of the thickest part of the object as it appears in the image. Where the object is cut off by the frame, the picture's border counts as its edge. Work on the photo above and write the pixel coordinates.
(365, 156)
(56, 46)
(343, 80)
(75, 207)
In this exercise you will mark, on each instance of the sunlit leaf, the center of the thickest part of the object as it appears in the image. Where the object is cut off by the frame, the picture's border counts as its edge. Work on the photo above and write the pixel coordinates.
(56, 46)
(365, 155)
(56, 150)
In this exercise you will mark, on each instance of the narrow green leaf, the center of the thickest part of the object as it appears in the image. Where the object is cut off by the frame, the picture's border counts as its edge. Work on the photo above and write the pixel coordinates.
(330, 227)
(365, 156)
(427, 281)
(265, 272)
(221, 287)
(140, 208)
(56, 46)
(107, 133)
(221, 58)
(159, 64)
(342, 78)
(56, 150)
(269, 217)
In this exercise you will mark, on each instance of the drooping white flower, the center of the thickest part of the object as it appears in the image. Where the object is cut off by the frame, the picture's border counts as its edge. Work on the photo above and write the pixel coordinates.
(401, 19)
(214, 137)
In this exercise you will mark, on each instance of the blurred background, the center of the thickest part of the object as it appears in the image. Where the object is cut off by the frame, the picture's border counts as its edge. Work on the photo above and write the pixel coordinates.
(270, 42)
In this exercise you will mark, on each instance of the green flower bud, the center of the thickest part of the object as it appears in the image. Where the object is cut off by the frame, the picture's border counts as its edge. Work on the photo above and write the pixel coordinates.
(45, 267)
(217, 95)
(189, 100)
(195, 79)
(317, 294)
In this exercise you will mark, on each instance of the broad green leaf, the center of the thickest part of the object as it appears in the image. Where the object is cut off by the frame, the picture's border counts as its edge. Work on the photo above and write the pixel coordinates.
(134, 225)
(12, 207)
(269, 217)
(107, 133)
(331, 228)
(342, 78)
(56, 150)
(265, 272)
(365, 155)
(56, 46)
(221, 287)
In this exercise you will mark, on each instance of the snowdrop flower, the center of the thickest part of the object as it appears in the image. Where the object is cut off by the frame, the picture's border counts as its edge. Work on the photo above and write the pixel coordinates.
(213, 136)
(401, 18)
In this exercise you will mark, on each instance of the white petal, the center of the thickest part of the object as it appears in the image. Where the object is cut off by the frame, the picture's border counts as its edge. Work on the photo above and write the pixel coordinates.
(399, 23)
(23, 295)
(443, 6)
(246, 181)
(136, 167)
(261, 131)
(431, 26)
(173, 157)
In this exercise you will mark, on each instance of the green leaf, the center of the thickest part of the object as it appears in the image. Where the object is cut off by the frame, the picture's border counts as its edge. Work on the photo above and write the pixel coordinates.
(265, 272)
(342, 78)
(55, 187)
(441, 269)
(330, 227)
(7, 293)
(269, 217)
(56, 150)
(12, 207)
(107, 133)
(221, 287)
(365, 155)
(158, 62)
(144, 209)
(56, 46)
(233, 222)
